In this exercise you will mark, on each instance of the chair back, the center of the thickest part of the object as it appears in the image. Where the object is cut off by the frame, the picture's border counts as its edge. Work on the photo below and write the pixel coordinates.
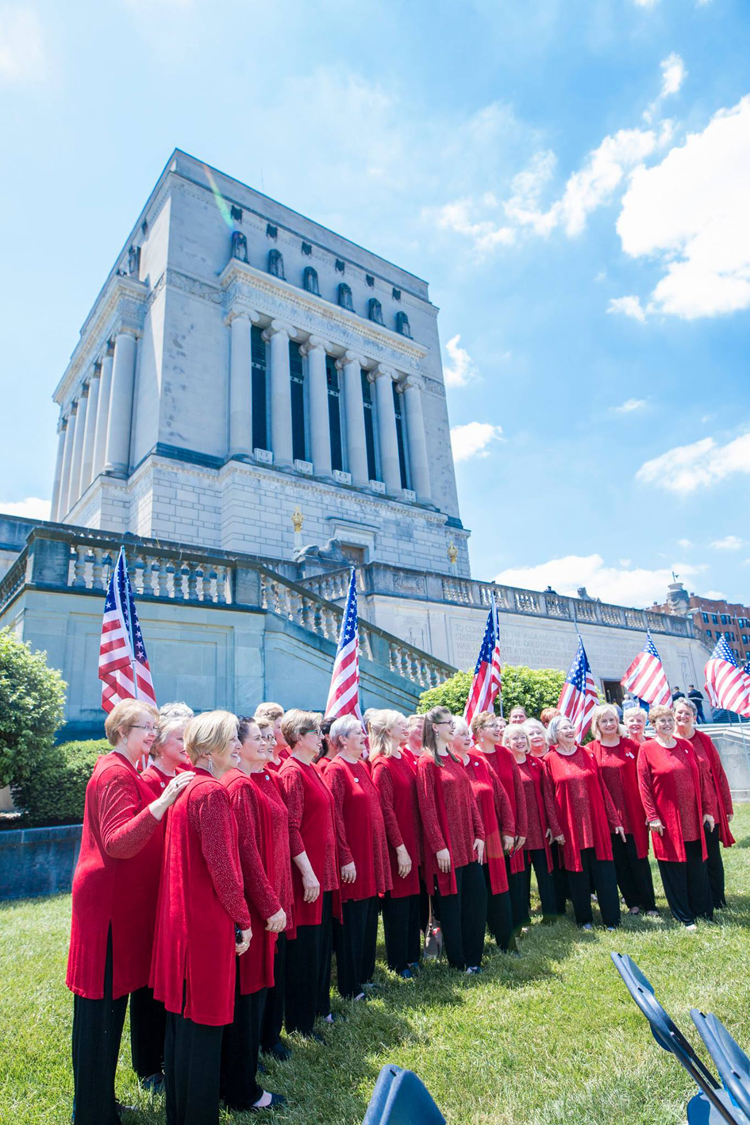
(731, 1061)
(400, 1098)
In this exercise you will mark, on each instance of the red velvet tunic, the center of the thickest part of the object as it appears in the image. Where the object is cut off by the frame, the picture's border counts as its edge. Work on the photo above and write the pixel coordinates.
(396, 785)
(360, 829)
(156, 779)
(532, 774)
(411, 757)
(255, 841)
(200, 901)
(450, 818)
(506, 768)
(618, 766)
(497, 818)
(269, 791)
(310, 807)
(721, 804)
(323, 765)
(283, 755)
(578, 806)
(116, 881)
(673, 790)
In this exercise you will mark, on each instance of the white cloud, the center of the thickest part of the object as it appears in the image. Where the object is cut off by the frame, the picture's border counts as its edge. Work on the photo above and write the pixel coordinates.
(701, 464)
(673, 74)
(629, 406)
(461, 368)
(601, 174)
(690, 213)
(646, 3)
(686, 544)
(472, 439)
(22, 49)
(523, 207)
(728, 543)
(32, 508)
(715, 595)
(627, 306)
(623, 584)
(461, 217)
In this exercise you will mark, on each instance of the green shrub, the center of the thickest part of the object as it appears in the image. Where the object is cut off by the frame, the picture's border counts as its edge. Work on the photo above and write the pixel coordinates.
(54, 792)
(533, 688)
(31, 708)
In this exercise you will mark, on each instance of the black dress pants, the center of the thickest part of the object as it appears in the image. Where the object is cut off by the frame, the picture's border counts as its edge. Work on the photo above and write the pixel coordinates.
(352, 939)
(308, 973)
(273, 1013)
(686, 885)
(517, 889)
(463, 917)
(192, 1071)
(537, 858)
(371, 939)
(239, 1050)
(715, 866)
(401, 926)
(148, 1025)
(325, 955)
(499, 915)
(602, 873)
(97, 1031)
(633, 874)
(560, 879)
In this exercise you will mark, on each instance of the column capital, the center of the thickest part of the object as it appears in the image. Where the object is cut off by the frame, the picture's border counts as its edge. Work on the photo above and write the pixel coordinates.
(382, 371)
(128, 330)
(241, 314)
(412, 381)
(314, 342)
(353, 357)
(84, 389)
(279, 326)
(96, 369)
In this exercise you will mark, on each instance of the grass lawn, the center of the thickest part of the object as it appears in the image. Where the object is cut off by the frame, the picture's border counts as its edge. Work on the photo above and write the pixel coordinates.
(549, 1038)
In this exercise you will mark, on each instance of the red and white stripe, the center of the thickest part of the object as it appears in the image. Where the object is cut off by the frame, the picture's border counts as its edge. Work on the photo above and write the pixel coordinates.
(728, 686)
(646, 679)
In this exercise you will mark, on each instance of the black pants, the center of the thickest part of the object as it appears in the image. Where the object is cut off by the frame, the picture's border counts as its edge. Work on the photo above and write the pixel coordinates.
(715, 866)
(308, 973)
(560, 879)
(537, 858)
(97, 1031)
(192, 1071)
(401, 926)
(633, 874)
(148, 1025)
(371, 939)
(325, 956)
(602, 872)
(463, 917)
(499, 915)
(517, 889)
(273, 1013)
(686, 885)
(351, 940)
(239, 1050)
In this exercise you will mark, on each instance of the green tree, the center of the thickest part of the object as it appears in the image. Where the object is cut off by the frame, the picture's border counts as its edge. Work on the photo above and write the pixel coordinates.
(32, 696)
(533, 688)
(55, 792)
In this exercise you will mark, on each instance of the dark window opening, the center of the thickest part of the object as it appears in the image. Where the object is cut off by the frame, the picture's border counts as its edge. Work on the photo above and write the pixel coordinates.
(276, 264)
(258, 351)
(370, 280)
(396, 294)
(375, 311)
(334, 412)
(297, 377)
(310, 281)
(271, 231)
(340, 266)
(236, 213)
(307, 249)
(398, 402)
(372, 471)
(402, 325)
(345, 297)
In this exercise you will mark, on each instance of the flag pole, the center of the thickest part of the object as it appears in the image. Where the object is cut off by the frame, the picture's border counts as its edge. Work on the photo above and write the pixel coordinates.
(132, 646)
(497, 638)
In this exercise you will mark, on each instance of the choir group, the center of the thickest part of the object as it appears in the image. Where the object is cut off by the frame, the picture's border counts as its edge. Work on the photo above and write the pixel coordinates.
(215, 884)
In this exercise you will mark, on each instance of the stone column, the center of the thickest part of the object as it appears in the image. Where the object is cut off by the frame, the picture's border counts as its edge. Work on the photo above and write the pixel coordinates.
(356, 444)
(90, 431)
(102, 414)
(76, 463)
(70, 436)
(320, 431)
(279, 335)
(61, 431)
(420, 468)
(121, 404)
(240, 385)
(383, 378)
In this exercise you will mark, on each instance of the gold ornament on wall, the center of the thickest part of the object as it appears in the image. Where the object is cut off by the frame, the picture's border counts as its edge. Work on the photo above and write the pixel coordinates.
(453, 553)
(297, 520)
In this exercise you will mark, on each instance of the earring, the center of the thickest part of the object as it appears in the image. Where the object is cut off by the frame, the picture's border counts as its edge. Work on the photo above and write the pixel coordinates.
(211, 766)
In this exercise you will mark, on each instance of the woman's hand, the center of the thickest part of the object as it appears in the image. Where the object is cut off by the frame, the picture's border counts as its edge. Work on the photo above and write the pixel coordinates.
(560, 840)
(348, 873)
(243, 944)
(169, 796)
(657, 827)
(520, 841)
(404, 861)
(620, 831)
(277, 922)
(479, 849)
(443, 858)
(310, 887)
(709, 820)
(508, 842)
(729, 817)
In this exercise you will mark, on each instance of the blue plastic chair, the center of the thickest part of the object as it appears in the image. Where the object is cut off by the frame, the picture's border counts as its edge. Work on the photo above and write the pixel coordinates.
(712, 1104)
(731, 1061)
(400, 1098)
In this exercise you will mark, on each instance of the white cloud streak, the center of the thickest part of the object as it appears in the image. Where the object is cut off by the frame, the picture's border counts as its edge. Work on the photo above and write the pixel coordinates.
(629, 406)
(23, 56)
(623, 584)
(628, 306)
(473, 439)
(32, 508)
(728, 543)
(699, 465)
(460, 368)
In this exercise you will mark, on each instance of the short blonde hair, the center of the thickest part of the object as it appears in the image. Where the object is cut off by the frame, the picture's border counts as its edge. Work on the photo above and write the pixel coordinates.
(379, 731)
(480, 721)
(209, 732)
(172, 716)
(269, 712)
(515, 728)
(659, 712)
(599, 711)
(535, 725)
(124, 716)
(296, 724)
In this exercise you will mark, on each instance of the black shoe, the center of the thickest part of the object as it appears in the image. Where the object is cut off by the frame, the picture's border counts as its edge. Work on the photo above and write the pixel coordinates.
(278, 1052)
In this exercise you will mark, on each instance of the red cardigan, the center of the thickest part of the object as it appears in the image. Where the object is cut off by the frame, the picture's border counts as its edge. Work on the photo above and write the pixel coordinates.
(494, 807)
(506, 768)
(396, 784)
(660, 793)
(618, 766)
(360, 829)
(200, 902)
(532, 774)
(450, 819)
(156, 779)
(116, 881)
(706, 750)
(572, 786)
(269, 793)
(310, 807)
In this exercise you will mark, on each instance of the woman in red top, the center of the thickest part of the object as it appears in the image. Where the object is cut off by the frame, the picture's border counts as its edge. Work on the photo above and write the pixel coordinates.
(634, 721)
(685, 713)
(326, 754)
(395, 781)
(488, 730)
(364, 863)
(453, 843)
(676, 796)
(494, 809)
(580, 810)
(537, 849)
(168, 751)
(115, 891)
(312, 845)
(273, 713)
(255, 973)
(202, 923)
(414, 732)
(617, 760)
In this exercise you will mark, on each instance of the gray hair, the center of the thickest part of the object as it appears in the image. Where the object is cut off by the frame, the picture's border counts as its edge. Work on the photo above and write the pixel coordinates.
(687, 702)
(535, 726)
(637, 711)
(460, 725)
(343, 728)
(171, 717)
(553, 728)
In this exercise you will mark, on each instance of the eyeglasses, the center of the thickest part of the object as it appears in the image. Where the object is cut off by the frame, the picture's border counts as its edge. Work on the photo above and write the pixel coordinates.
(313, 730)
(445, 722)
(148, 729)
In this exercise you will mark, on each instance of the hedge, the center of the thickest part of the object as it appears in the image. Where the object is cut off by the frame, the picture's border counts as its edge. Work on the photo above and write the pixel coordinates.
(54, 791)
(532, 688)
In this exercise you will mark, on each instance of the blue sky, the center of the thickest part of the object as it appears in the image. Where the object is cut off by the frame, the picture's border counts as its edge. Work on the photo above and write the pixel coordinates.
(571, 176)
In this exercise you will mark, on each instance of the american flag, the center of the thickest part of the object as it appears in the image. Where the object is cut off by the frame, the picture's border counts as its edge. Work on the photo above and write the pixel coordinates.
(728, 686)
(578, 697)
(645, 678)
(123, 664)
(343, 695)
(487, 675)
